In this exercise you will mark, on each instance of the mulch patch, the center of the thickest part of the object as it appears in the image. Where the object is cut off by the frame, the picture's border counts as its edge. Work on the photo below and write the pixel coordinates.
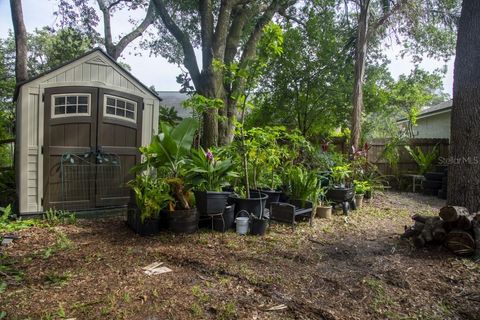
(354, 267)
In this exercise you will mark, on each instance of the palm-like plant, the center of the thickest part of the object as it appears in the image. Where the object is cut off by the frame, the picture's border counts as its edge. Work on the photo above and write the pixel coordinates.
(423, 160)
(302, 184)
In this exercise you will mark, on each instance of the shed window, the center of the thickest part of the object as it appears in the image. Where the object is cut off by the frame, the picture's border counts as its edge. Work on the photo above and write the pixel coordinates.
(120, 108)
(68, 105)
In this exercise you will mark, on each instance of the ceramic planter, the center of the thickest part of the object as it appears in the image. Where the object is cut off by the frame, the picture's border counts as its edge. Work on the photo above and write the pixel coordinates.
(359, 200)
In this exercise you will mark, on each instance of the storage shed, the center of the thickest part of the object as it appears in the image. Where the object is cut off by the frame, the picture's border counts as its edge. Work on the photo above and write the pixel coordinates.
(78, 130)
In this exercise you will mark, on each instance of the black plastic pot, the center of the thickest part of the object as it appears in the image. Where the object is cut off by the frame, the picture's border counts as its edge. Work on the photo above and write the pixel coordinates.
(258, 227)
(228, 219)
(254, 205)
(150, 226)
(368, 194)
(183, 221)
(211, 201)
(340, 194)
(273, 196)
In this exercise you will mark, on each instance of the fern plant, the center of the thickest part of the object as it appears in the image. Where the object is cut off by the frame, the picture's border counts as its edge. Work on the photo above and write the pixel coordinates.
(302, 184)
(423, 160)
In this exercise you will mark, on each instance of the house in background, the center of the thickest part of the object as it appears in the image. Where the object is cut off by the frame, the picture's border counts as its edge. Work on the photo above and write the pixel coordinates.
(175, 99)
(432, 122)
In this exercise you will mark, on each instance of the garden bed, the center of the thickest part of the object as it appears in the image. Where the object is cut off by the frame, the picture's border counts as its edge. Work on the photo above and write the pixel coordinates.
(354, 267)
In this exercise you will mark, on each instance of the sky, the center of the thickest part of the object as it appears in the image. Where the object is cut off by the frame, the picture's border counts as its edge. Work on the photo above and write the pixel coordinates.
(156, 70)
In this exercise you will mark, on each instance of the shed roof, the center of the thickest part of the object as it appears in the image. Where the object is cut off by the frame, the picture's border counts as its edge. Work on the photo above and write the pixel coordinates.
(433, 110)
(95, 50)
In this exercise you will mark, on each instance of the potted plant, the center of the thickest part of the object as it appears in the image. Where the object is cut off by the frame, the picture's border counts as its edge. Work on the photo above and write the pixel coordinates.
(324, 208)
(302, 189)
(361, 188)
(151, 196)
(339, 191)
(208, 176)
(168, 153)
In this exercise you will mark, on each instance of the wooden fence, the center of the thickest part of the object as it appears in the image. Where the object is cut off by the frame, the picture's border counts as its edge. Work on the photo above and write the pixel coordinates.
(406, 164)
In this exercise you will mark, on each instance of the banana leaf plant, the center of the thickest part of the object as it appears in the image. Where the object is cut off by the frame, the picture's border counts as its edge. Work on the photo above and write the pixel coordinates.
(167, 154)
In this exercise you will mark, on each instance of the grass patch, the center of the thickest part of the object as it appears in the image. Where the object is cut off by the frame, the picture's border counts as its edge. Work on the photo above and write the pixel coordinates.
(62, 243)
(58, 279)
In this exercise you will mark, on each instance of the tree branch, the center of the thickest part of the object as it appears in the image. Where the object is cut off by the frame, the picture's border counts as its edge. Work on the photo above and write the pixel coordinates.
(137, 32)
(384, 18)
(107, 28)
(189, 60)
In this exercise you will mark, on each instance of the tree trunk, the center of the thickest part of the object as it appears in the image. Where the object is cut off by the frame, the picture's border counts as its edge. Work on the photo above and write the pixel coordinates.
(21, 72)
(360, 57)
(464, 172)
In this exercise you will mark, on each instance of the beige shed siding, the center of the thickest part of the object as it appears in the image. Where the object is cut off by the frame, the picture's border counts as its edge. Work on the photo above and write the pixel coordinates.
(33, 203)
(93, 70)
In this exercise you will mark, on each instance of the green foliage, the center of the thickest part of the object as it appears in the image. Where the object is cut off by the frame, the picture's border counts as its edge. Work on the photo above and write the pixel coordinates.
(9, 223)
(7, 187)
(301, 184)
(151, 195)
(168, 151)
(62, 243)
(423, 160)
(54, 217)
(168, 115)
(391, 152)
(206, 173)
(340, 174)
(167, 154)
(361, 187)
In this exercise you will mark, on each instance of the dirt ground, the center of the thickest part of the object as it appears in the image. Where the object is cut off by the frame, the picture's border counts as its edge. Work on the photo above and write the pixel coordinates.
(344, 268)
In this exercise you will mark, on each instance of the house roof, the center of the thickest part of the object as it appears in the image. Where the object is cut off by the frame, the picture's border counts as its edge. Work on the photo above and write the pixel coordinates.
(433, 110)
(175, 99)
(106, 55)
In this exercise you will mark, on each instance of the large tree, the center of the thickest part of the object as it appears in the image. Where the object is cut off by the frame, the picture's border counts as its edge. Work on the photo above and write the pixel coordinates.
(464, 170)
(227, 32)
(21, 73)
(423, 26)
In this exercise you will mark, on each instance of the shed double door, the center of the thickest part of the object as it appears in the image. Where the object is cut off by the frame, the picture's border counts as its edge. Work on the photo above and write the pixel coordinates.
(91, 140)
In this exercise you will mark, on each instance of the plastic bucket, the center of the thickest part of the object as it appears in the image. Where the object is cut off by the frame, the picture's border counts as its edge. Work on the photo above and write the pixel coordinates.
(242, 225)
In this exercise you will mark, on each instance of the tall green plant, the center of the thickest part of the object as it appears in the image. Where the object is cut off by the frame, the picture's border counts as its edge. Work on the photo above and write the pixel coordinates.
(168, 154)
(302, 184)
(423, 160)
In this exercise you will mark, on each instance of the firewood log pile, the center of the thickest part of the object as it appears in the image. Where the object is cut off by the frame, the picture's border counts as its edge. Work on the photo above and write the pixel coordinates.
(454, 227)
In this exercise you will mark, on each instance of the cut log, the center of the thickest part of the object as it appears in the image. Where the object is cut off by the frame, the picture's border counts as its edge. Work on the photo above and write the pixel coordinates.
(414, 230)
(452, 213)
(418, 241)
(420, 218)
(465, 222)
(460, 242)
(438, 231)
